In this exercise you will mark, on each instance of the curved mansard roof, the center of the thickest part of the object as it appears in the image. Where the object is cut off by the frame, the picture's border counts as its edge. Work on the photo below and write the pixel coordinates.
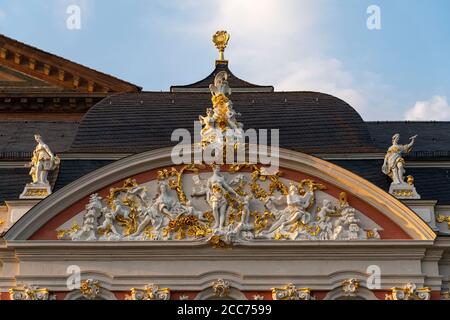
(310, 122)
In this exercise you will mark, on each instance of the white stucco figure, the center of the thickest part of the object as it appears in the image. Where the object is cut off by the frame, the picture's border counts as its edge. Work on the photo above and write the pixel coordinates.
(149, 216)
(394, 167)
(324, 221)
(208, 123)
(220, 85)
(120, 208)
(42, 162)
(232, 209)
(347, 226)
(164, 201)
(294, 212)
(244, 229)
(108, 224)
(215, 193)
(394, 164)
(220, 126)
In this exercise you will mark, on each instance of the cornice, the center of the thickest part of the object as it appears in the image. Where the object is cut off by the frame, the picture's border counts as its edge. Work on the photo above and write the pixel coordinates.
(57, 70)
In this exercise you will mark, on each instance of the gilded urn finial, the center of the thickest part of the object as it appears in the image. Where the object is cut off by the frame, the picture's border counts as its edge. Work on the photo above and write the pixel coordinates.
(220, 39)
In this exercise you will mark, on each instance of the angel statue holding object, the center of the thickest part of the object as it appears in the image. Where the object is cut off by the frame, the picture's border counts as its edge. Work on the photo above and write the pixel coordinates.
(394, 164)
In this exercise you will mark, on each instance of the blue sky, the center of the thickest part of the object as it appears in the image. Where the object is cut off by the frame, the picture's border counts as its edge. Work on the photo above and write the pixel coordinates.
(398, 72)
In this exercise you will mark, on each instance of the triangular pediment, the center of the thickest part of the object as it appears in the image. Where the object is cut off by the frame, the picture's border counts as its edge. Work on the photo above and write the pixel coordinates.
(12, 80)
(55, 71)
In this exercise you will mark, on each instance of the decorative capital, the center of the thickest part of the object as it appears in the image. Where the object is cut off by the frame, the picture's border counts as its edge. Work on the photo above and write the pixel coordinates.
(30, 293)
(445, 295)
(409, 292)
(150, 292)
(290, 292)
(220, 40)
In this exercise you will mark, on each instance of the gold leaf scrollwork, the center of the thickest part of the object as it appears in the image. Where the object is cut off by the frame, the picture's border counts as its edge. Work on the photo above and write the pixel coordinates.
(90, 288)
(258, 174)
(177, 183)
(441, 218)
(186, 225)
(62, 233)
(130, 222)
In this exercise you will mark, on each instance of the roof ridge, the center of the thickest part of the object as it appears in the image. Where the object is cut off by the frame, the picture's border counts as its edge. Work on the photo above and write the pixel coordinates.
(406, 121)
(235, 82)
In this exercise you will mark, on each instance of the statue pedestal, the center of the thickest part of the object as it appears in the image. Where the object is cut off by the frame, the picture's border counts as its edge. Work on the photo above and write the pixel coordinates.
(36, 191)
(403, 191)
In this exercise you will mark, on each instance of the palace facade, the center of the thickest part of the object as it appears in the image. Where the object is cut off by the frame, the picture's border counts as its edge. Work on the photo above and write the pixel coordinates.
(93, 206)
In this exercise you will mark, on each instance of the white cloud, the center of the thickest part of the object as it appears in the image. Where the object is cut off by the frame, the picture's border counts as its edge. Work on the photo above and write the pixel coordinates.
(282, 43)
(437, 108)
(323, 75)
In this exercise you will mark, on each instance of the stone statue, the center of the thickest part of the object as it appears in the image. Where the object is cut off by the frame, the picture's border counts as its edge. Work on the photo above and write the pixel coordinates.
(244, 229)
(324, 221)
(347, 226)
(161, 210)
(394, 163)
(149, 215)
(394, 167)
(220, 126)
(215, 191)
(294, 212)
(164, 202)
(42, 162)
(220, 85)
(207, 122)
(108, 224)
(217, 186)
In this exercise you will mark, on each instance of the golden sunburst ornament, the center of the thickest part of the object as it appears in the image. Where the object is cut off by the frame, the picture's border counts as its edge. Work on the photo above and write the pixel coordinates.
(220, 40)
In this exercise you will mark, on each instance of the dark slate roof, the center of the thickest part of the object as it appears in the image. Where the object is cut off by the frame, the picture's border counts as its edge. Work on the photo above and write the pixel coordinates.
(235, 83)
(17, 137)
(12, 182)
(431, 183)
(71, 170)
(433, 139)
(310, 122)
